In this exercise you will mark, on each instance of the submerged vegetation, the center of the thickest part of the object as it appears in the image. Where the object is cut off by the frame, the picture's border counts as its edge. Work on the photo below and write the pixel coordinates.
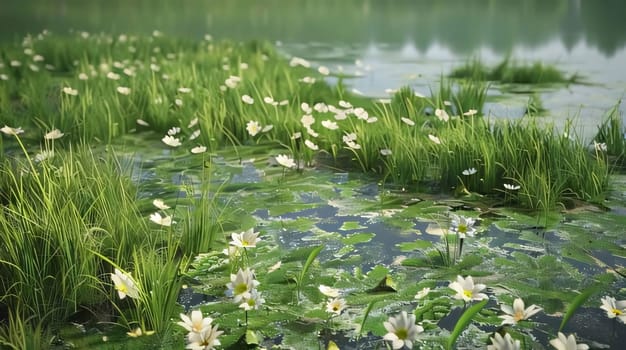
(511, 72)
(87, 240)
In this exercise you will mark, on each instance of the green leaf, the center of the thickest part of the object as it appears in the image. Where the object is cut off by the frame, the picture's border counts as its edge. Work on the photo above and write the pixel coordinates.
(368, 309)
(358, 238)
(578, 301)
(251, 338)
(415, 245)
(309, 261)
(464, 321)
(351, 225)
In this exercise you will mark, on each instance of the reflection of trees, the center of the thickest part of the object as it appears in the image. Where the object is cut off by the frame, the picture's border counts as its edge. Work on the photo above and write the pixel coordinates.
(461, 25)
(603, 24)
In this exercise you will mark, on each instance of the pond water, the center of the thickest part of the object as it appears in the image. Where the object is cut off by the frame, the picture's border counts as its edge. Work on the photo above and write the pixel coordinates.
(388, 44)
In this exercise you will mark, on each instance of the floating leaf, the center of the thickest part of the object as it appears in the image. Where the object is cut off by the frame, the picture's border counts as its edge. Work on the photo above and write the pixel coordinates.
(351, 226)
(358, 238)
(415, 245)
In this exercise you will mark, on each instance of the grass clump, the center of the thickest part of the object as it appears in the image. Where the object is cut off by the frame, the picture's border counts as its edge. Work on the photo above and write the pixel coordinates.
(511, 72)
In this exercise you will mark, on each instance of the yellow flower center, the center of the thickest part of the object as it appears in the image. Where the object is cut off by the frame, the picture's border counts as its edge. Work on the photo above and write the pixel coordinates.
(245, 243)
(518, 316)
(241, 288)
(617, 312)
(462, 228)
(402, 333)
(335, 308)
(467, 293)
(122, 288)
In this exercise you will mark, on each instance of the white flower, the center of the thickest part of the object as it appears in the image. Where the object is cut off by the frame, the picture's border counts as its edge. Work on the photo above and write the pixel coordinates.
(171, 141)
(442, 115)
(297, 61)
(173, 131)
(69, 91)
(178, 102)
(195, 323)
(232, 81)
(311, 145)
(193, 122)
(142, 122)
(344, 104)
(306, 108)
(285, 161)
(270, 101)
(194, 135)
(83, 76)
(569, 343)
(614, 308)
(184, 90)
(241, 285)
(296, 135)
(361, 113)
(330, 125)
(320, 107)
(311, 132)
(466, 290)
(470, 171)
(349, 137)
(113, 76)
(511, 187)
(4, 77)
(353, 145)
(7, 130)
(253, 302)
(247, 99)
(323, 70)
(499, 342)
(246, 239)
(463, 225)
(307, 80)
(124, 284)
(408, 121)
(307, 120)
(517, 312)
(243, 66)
(204, 340)
(470, 113)
(45, 154)
(385, 152)
(163, 221)
(123, 90)
(159, 204)
(198, 149)
(283, 103)
(599, 146)
(267, 128)
(328, 291)
(434, 139)
(402, 330)
(422, 293)
(253, 127)
(335, 306)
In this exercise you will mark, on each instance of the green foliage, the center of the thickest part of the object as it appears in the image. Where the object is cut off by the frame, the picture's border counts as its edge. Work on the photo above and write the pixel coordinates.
(464, 321)
(510, 72)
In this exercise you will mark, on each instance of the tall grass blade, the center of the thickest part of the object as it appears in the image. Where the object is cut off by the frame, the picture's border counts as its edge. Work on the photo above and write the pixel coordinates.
(464, 321)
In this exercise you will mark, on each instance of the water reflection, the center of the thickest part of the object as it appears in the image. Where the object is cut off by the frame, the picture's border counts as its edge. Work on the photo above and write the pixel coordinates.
(462, 26)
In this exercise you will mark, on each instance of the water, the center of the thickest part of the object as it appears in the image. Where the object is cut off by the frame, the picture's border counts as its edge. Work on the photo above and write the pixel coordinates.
(389, 44)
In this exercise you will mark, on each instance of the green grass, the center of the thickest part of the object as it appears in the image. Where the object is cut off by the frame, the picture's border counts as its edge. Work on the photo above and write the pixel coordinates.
(510, 72)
